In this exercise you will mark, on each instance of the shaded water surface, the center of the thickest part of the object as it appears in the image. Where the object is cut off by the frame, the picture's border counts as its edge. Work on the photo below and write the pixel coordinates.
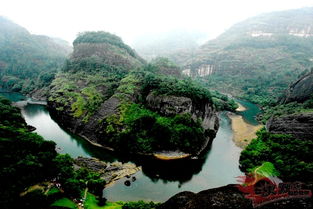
(158, 180)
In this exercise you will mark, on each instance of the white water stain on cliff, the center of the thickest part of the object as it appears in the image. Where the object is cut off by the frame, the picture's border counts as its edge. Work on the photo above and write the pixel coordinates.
(201, 71)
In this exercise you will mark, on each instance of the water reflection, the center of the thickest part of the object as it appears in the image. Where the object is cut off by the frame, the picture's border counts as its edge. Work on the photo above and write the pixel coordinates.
(38, 116)
(158, 180)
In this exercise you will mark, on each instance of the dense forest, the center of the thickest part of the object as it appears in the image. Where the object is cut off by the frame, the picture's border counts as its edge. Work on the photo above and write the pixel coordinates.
(48, 179)
(258, 58)
(41, 167)
(104, 92)
(93, 76)
(291, 157)
(28, 62)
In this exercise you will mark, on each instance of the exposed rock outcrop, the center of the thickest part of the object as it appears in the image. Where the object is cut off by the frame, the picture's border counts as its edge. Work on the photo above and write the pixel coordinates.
(226, 197)
(91, 130)
(299, 125)
(169, 105)
(301, 90)
(98, 95)
(110, 172)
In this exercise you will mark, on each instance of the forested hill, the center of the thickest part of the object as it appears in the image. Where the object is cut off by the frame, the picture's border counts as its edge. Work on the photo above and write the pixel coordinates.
(28, 61)
(98, 51)
(108, 94)
(258, 57)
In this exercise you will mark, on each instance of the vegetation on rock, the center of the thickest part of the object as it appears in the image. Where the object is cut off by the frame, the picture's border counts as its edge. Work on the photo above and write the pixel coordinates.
(93, 77)
(258, 58)
(29, 154)
(28, 62)
(291, 157)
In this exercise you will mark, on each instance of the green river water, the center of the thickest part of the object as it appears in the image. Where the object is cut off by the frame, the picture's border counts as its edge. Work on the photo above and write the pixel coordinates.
(158, 180)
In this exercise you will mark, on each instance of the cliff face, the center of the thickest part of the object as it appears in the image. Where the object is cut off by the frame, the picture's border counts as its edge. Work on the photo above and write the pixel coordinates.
(172, 105)
(258, 57)
(226, 197)
(298, 125)
(267, 40)
(301, 90)
(100, 97)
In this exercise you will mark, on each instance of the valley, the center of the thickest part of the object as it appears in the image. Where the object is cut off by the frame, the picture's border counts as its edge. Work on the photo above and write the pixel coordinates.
(155, 176)
(172, 123)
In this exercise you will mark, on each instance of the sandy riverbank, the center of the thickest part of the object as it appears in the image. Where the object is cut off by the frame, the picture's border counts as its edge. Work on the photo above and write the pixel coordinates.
(243, 132)
(171, 155)
(241, 108)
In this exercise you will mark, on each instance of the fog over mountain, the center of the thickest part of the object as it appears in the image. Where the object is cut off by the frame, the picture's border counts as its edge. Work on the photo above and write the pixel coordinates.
(133, 19)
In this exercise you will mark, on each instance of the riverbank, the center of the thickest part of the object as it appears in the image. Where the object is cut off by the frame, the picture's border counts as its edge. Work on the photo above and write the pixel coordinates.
(240, 108)
(171, 155)
(150, 183)
(243, 132)
(110, 172)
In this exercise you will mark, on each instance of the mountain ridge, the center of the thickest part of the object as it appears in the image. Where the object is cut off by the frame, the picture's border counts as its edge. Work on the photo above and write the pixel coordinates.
(28, 62)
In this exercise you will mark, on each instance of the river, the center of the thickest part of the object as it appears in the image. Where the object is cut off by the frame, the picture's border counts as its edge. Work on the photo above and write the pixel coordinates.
(158, 180)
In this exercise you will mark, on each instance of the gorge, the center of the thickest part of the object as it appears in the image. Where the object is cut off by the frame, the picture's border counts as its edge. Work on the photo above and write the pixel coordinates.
(158, 180)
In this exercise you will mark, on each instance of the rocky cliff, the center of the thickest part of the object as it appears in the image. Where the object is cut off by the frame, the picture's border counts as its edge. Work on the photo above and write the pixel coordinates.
(110, 172)
(298, 125)
(105, 95)
(257, 58)
(301, 90)
(227, 197)
(169, 105)
(274, 37)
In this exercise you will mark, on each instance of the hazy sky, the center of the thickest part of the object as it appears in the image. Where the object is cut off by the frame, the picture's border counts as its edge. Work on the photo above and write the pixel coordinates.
(132, 18)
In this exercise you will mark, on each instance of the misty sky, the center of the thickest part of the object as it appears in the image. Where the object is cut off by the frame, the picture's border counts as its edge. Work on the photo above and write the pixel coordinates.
(132, 18)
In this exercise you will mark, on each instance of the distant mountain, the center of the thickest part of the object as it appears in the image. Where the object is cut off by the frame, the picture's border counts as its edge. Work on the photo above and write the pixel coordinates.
(177, 45)
(28, 61)
(259, 56)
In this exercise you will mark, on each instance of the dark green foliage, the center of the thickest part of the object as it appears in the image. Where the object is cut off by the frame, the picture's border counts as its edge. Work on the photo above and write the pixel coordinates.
(73, 187)
(23, 153)
(92, 76)
(286, 109)
(263, 89)
(64, 167)
(9, 115)
(28, 62)
(27, 159)
(83, 102)
(308, 104)
(92, 65)
(145, 131)
(291, 157)
(223, 102)
(34, 199)
(258, 58)
(94, 183)
(74, 182)
(102, 37)
(165, 85)
(140, 205)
